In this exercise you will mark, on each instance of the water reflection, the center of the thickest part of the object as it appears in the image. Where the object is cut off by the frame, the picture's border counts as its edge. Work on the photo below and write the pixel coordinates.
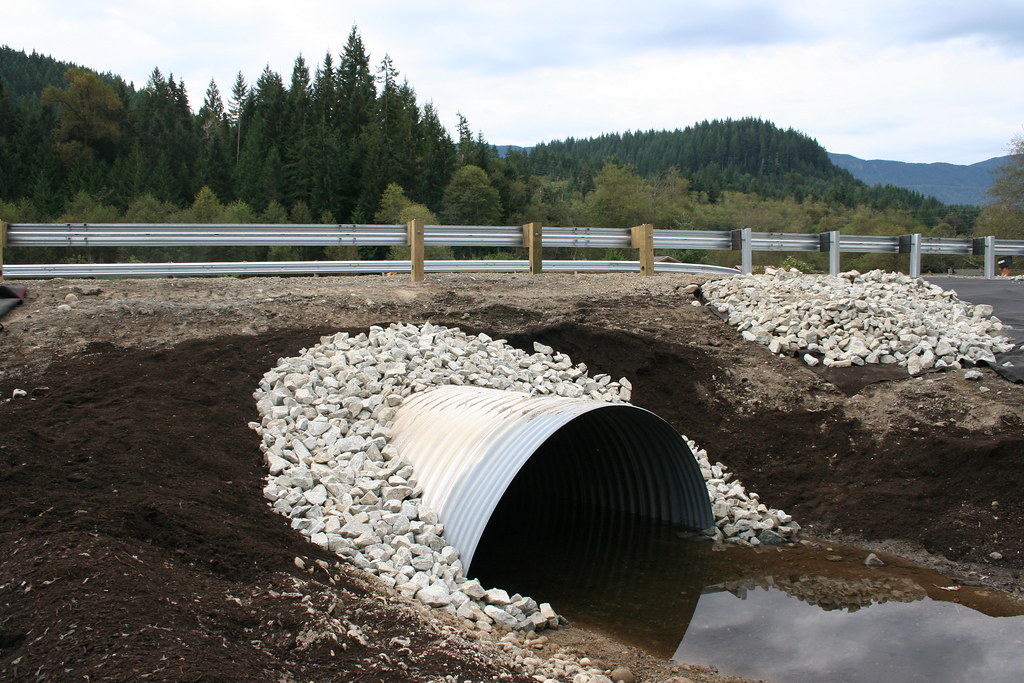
(782, 614)
(775, 635)
(830, 593)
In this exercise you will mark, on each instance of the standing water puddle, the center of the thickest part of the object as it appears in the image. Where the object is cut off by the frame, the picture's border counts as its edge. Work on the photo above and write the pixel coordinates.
(781, 614)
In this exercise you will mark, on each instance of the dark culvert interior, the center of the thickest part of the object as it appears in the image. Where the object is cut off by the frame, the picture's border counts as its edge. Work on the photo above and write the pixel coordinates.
(575, 528)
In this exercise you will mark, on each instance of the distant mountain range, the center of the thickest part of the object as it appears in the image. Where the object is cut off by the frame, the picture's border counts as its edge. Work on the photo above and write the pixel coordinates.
(949, 183)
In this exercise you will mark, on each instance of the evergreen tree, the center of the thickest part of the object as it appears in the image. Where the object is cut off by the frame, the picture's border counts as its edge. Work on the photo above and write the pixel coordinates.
(356, 101)
(436, 149)
(259, 175)
(300, 168)
(239, 97)
(215, 163)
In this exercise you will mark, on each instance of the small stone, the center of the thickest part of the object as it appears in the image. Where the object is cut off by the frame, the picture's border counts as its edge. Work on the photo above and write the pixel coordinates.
(834, 558)
(622, 675)
(497, 596)
(19, 393)
(973, 375)
(500, 616)
(995, 556)
(548, 613)
(873, 560)
(473, 589)
(434, 595)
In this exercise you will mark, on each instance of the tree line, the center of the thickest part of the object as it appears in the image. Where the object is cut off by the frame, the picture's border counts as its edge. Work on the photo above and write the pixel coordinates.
(347, 141)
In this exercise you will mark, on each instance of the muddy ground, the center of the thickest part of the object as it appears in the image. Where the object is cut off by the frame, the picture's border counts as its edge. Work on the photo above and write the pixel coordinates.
(135, 542)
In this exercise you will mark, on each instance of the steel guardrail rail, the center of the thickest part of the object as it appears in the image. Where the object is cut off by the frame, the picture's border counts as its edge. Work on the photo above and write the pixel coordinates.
(707, 240)
(213, 234)
(589, 238)
(785, 241)
(870, 244)
(1009, 247)
(473, 235)
(946, 245)
(18, 271)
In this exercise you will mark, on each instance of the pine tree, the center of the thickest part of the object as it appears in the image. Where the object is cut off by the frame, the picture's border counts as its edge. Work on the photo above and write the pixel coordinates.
(356, 100)
(239, 97)
(215, 164)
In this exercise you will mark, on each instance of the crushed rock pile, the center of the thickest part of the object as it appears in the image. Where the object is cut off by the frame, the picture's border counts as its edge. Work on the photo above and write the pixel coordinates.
(740, 516)
(857, 318)
(325, 428)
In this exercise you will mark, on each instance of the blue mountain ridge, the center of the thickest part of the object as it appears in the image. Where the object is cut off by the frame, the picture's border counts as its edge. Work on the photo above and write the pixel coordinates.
(949, 183)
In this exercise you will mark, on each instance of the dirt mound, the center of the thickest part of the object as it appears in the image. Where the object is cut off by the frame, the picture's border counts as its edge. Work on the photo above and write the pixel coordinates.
(138, 545)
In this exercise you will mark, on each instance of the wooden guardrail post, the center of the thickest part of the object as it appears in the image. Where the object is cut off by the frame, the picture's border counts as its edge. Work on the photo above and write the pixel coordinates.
(643, 239)
(533, 241)
(415, 240)
(3, 244)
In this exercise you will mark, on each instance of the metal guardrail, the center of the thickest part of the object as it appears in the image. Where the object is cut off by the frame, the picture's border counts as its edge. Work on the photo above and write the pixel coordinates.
(212, 235)
(18, 271)
(703, 240)
(29, 235)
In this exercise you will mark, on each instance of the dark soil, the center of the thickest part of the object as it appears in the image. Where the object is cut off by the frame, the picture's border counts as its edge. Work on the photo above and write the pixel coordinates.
(136, 543)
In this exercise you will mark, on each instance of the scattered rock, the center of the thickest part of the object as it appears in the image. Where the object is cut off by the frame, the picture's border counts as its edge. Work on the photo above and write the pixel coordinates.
(622, 675)
(873, 560)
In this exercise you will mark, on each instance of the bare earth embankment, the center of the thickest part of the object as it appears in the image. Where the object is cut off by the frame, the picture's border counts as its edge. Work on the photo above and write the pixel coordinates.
(136, 542)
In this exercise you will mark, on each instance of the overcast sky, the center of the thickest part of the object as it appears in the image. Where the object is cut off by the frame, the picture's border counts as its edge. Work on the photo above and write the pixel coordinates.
(910, 80)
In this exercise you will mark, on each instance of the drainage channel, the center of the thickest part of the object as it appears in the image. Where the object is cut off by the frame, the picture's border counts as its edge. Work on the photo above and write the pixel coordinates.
(805, 613)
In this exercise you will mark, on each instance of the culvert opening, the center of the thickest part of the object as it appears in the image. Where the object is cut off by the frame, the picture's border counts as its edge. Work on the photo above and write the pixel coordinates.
(589, 464)
(566, 530)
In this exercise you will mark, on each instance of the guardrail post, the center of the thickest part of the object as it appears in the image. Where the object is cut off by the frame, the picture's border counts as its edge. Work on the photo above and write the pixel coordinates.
(3, 244)
(415, 240)
(643, 239)
(743, 242)
(533, 240)
(911, 244)
(829, 241)
(986, 248)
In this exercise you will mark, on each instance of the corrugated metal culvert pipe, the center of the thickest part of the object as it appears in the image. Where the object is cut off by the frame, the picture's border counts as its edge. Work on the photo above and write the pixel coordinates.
(468, 444)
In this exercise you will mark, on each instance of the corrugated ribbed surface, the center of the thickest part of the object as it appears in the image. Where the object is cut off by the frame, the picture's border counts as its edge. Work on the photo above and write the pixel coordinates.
(468, 444)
